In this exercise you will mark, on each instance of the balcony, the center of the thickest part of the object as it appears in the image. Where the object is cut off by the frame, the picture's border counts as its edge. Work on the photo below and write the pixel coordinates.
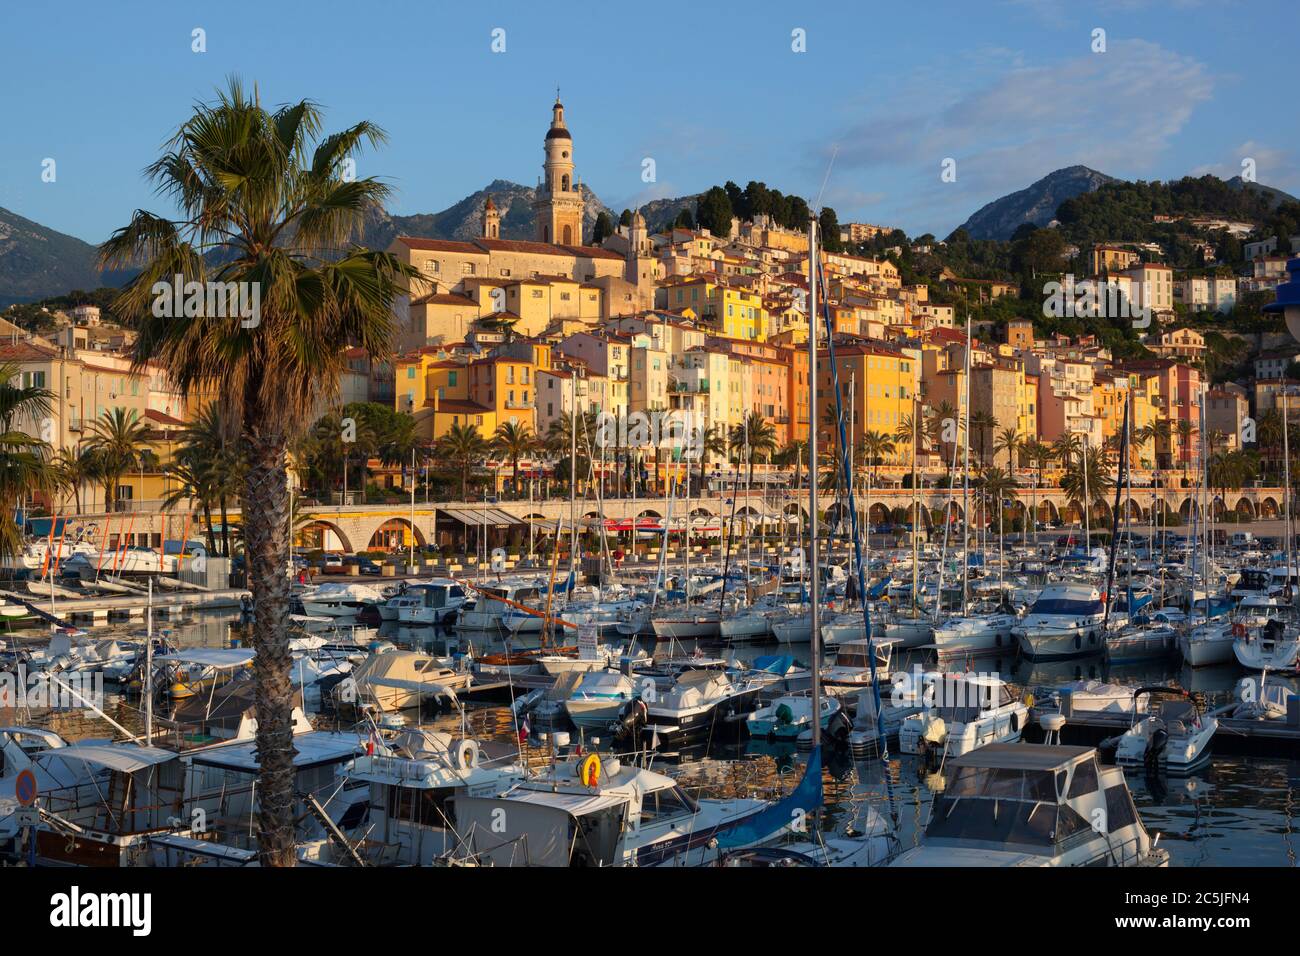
(511, 403)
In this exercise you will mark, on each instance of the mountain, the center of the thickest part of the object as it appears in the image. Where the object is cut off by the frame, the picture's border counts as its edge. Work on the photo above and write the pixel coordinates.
(1036, 204)
(464, 220)
(36, 261)
(1274, 197)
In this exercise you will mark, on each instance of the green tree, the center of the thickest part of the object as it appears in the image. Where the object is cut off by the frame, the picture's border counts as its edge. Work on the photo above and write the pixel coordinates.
(265, 201)
(514, 440)
(463, 447)
(117, 439)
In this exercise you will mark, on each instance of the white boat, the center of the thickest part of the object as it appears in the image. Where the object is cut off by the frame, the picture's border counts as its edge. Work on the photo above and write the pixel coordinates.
(429, 602)
(411, 780)
(852, 666)
(1065, 622)
(698, 698)
(683, 624)
(975, 634)
(1176, 738)
(1274, 647)
(1207, 644)
(340, 600)
(1019, 804)
(793, 628)
(1257, 699)
(788, 716)
(962, 713)
(600, 698)
(489, 608)
(629, 816)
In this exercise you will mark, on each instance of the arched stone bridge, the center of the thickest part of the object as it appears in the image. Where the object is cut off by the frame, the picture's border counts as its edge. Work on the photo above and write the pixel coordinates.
(361, 527)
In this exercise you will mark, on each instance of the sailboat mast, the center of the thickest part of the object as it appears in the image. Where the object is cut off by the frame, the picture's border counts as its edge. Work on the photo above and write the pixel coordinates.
(965, 479)
(813, 587)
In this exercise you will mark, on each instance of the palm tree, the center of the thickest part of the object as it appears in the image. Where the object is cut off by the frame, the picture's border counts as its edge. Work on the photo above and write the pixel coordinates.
(463, 447)
(514, 440)
(117, 438)
(996, 486)
(188, 485)
(938, 425)
(267, 203)
(1009, 441)
(1088, 479)
(73, 468)
(1268, 436)
(983, 425)
(1185, 431)
(876, 447)
(753, 437)
(795, 453)
(1039, 455)
(1067, 448)
(708, 442)
(24, 460)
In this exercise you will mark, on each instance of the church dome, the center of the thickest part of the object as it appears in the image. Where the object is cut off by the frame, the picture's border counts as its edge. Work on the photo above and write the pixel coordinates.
(558, 132)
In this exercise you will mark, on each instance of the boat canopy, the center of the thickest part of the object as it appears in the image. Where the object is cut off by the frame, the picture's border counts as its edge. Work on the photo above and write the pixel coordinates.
(124, 758)
(217, 658)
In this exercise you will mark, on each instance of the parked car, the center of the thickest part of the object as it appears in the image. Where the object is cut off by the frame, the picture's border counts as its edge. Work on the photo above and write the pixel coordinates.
(365, 565)
(332, 564)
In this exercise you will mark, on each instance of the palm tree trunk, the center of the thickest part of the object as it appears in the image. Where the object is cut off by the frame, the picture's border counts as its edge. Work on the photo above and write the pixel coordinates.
(225, 528)
(207, 524)
(266, 503)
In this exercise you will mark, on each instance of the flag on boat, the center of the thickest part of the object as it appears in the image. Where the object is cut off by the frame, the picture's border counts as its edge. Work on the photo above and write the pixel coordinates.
(524, 729)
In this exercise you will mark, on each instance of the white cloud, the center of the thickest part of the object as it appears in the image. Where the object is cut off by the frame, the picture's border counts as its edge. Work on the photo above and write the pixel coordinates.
(1116, 111)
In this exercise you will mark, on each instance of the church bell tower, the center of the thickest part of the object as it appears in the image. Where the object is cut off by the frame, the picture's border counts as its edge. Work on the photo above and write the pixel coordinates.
(559, 202)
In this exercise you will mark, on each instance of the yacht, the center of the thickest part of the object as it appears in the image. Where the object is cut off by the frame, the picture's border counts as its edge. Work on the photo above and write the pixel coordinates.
(696, 700)
(1018, 804)
(599, 811)
(1208, 643)
(962, 713)
(340, 600)
(975, 634)
(687, 623)
(1274, 647)
(432, 602)
(488, 610)
(1065, 622)
(852, 666)
(411, 781)
(1176, 738)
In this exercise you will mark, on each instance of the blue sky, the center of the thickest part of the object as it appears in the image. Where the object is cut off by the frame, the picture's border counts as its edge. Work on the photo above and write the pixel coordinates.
(1010, 90)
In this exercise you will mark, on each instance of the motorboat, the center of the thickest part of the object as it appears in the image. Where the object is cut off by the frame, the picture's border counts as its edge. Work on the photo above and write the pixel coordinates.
(696, 700)
(1019, 804)
(791, 714)
(1176, 738)
(963, 712)
(1065, 622)
(600, 698)
(491, 604)
(596, 810)
(340, 600)
(397, 680)
(411, 781)
(975, 634)
(852, 665)
(428, 602)
(687, 623)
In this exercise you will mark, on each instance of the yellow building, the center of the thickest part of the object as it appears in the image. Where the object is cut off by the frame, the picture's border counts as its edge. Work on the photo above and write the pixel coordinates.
(878, 390)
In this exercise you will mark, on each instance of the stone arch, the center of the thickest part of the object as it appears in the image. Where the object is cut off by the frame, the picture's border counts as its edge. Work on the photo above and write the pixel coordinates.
(878, 513)
(1268, 508)
(1072, 512)
(794, 509)
(648, 513)
(386, 536)
(1185, 509)
(1248, 509)
(313, 534)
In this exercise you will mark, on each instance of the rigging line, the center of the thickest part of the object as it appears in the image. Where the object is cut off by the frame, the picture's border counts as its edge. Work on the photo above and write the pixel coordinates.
(857, 542)
(825, 179)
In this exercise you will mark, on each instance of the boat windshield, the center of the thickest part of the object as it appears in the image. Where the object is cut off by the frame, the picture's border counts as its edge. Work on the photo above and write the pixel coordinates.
(1068, 606)
(1004, 807)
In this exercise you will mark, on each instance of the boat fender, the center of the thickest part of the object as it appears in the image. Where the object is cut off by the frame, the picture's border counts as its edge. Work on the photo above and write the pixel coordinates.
(466, 752)
(589, 771)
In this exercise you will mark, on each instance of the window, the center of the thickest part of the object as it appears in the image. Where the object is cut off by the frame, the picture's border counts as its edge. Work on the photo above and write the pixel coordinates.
(451, 379)
(467, 268)
(410, 371)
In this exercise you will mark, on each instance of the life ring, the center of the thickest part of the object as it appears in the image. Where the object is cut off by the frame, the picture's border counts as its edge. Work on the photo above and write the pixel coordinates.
(589, 771)
(466, 754)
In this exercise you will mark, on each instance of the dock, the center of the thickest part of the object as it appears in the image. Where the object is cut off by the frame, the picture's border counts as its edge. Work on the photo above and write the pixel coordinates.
(95, 610)
(1253, 738)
